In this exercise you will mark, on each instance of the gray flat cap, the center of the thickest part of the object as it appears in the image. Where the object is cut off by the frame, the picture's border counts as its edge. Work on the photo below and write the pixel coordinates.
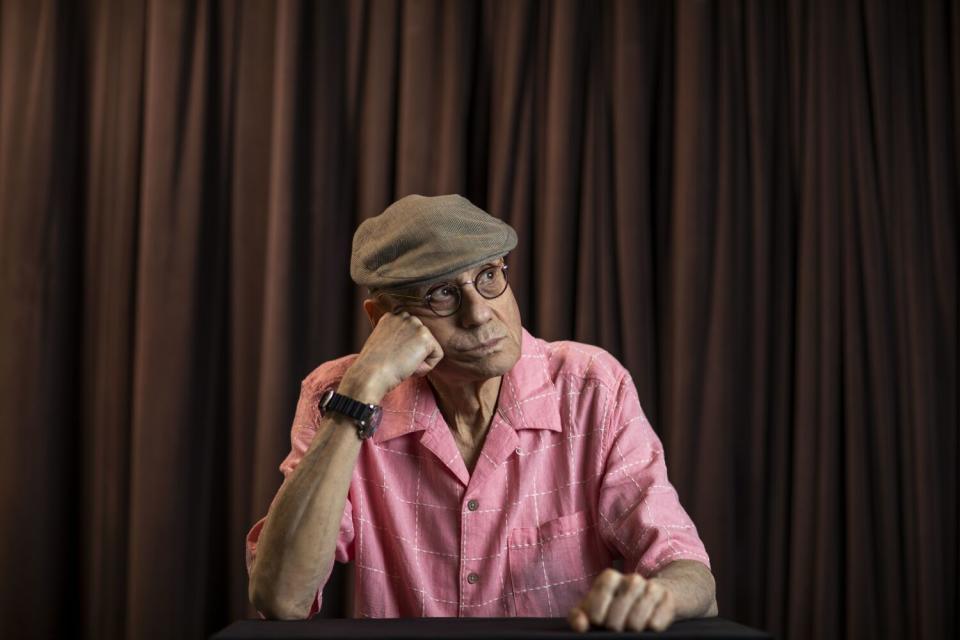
(421, 239)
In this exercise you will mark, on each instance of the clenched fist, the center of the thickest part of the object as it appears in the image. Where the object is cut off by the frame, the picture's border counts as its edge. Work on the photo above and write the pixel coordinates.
(399, 347)
(617, 601)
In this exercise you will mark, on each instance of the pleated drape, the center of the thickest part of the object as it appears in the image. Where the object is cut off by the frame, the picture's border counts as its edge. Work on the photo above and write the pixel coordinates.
(754, 205)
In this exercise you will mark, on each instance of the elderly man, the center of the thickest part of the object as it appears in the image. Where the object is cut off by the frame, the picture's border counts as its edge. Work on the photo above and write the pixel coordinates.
(467, 468)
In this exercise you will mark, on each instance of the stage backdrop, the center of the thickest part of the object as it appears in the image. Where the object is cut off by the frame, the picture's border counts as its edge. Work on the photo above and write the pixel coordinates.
(754, 205)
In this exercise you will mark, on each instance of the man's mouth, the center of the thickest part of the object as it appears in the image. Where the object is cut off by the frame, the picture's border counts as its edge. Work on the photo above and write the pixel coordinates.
(483, 346)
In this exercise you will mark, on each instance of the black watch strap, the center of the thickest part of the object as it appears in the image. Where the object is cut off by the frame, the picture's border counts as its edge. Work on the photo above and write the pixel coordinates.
(347, 406)
(366, 416)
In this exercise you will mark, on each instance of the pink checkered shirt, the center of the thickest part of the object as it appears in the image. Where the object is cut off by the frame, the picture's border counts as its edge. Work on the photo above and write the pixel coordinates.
(571, 476)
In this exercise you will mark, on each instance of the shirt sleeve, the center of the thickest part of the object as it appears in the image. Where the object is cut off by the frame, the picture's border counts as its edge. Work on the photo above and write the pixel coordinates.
(304, 429)
(639, 510)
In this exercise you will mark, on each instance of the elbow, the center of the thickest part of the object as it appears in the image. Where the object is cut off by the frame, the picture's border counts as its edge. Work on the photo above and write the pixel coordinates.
(713, 611)
(282, 612)
(273, 607)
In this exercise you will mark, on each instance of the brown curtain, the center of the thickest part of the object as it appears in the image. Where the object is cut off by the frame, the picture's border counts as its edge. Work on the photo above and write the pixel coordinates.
(754, 205)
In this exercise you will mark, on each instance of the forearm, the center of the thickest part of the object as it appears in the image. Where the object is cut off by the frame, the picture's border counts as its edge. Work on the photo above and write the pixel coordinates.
(298, 541)
(693, 588)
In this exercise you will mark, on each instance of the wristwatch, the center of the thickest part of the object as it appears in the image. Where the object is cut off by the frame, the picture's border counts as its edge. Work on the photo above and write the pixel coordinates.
(366, 416)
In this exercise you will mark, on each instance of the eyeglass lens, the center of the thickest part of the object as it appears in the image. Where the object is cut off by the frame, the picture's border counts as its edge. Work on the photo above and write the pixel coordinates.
(445, 298)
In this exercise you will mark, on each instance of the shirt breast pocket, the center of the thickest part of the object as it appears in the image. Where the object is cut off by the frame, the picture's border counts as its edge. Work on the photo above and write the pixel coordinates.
(552, 566)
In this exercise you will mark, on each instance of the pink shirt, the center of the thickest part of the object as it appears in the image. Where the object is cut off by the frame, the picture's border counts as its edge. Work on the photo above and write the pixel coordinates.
(571, 475)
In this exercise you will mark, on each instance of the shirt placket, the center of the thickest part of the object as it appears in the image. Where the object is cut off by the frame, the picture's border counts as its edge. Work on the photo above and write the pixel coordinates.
(469, 576)
(475, 575)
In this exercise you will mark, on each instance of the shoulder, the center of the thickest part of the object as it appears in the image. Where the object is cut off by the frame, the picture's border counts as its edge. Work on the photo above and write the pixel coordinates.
(327, 374)
(569, 361)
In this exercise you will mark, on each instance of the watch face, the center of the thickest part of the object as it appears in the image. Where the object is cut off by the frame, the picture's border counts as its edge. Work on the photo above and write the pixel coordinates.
(371, 420)
(375, 416)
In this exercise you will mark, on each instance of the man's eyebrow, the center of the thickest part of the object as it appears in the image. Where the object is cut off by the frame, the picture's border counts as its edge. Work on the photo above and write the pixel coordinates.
(424, 289)
(479, 270)
(497, 263)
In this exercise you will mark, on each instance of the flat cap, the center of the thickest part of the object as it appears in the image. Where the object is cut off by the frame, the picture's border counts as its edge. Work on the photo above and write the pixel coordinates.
(420, 239)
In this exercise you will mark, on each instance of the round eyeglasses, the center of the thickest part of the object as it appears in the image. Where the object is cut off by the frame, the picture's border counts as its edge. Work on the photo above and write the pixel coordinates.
(444, 298)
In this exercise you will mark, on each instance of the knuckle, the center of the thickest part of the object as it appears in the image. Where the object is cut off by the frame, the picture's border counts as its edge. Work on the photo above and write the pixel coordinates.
(610, 576)
(605, 585)
(634, 580)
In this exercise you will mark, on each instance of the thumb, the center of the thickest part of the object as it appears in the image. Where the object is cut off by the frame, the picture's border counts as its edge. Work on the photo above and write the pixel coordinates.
(578, 619)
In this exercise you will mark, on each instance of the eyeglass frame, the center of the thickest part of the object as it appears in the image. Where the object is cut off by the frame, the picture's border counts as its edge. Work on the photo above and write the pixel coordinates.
(425, 299)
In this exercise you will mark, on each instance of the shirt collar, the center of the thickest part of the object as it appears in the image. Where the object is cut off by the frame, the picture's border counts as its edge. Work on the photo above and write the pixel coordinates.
(528, 398)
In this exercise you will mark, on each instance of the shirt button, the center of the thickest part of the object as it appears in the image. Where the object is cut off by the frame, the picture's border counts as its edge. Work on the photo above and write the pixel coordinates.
(473, 578)
(473, 505)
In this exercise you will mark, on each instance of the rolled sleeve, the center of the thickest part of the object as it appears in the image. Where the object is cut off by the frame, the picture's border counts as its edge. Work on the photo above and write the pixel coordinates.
(639, 510)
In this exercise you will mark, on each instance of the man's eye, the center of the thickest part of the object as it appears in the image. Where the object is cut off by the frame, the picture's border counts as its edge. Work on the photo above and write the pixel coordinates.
(443, 293)
(489, 274)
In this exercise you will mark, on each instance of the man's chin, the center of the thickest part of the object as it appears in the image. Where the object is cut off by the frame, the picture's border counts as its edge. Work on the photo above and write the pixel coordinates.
(483, 368)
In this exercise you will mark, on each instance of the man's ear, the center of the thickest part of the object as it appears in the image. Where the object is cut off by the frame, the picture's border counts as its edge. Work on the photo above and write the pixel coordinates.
(374, 310)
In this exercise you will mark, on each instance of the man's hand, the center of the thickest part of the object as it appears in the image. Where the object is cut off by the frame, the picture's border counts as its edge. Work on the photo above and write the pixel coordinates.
(400, 346)
(617, 601)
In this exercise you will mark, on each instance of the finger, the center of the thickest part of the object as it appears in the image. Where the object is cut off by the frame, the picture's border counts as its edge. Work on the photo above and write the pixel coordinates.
(631, 589)
(578, 620)
(664, 614)
(380, 318)
(434, 355)
(601, 593)
(640, 613)
(425, 367)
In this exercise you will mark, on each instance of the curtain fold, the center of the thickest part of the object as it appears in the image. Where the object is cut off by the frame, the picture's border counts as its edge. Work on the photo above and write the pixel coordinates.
(754, 205)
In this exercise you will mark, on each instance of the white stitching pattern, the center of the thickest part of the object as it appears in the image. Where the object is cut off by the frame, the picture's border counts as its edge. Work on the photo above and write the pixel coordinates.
(595, 375)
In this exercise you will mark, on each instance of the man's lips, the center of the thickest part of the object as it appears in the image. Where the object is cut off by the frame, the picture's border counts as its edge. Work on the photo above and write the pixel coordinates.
(484, 345)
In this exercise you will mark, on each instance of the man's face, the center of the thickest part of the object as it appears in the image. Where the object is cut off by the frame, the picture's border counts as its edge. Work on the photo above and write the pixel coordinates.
(481, 340)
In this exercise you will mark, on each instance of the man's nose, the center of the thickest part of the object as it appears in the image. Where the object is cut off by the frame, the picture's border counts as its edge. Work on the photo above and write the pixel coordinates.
(474, 308)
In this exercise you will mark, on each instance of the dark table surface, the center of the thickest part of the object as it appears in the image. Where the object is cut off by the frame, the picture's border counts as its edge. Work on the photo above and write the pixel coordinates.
(500, 628)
